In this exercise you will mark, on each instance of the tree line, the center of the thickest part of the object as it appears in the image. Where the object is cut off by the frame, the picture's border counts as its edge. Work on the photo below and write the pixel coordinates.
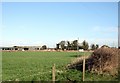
(74, 45)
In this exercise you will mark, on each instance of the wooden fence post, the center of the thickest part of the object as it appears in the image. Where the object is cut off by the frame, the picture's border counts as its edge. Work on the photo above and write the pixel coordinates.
(53, 73)
(84, 68)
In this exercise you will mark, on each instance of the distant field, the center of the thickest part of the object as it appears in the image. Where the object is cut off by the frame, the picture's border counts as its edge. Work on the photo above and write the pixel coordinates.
(28, 66)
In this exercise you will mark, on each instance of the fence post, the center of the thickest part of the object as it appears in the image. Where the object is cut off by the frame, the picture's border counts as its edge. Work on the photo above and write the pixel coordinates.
(53, 73)
(84, 68)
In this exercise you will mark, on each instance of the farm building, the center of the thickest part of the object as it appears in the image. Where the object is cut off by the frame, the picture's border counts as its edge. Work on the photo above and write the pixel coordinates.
(21, 48)
(6, 48)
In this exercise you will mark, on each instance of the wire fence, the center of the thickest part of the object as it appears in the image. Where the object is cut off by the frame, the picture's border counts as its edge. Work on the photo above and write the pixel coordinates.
(54, 71)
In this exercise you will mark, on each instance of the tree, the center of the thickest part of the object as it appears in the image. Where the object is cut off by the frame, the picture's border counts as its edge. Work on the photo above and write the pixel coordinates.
(44, 47)
(62, 44)
(97, 46)
(68, 45)
(57, 46)
(93, 47)
(85, 45)
(75, 45)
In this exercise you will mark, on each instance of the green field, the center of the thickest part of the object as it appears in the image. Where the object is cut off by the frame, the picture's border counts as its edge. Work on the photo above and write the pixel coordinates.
(31, 66)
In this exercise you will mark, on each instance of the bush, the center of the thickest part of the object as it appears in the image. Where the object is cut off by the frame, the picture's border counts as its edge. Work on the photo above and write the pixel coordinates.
(104, 60)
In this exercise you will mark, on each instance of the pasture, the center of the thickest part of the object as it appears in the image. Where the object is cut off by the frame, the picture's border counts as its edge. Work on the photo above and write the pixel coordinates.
(32, 66)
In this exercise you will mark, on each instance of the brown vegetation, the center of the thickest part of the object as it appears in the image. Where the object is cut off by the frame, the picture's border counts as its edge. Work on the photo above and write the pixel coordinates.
(103, 60)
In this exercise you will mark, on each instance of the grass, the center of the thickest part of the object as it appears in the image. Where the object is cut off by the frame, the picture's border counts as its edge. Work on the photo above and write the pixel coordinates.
(29, 65)
(32, 66)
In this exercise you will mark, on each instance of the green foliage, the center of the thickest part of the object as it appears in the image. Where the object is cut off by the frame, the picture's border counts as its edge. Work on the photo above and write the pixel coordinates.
(97, 46)
(75, 44)
(57, 46)
(62, 44)
(85, 45)
(95, 77)
(69, 75)
(93, 46)
(68, 45)
(44, 47)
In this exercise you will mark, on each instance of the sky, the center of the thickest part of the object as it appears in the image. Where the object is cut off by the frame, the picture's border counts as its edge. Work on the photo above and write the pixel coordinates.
(60, 0)
(39, 23)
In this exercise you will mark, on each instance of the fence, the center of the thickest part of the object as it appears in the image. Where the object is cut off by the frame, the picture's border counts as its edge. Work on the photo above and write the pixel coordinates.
(54, 71)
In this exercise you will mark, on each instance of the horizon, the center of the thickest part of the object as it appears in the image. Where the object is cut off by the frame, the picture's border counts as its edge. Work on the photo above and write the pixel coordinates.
(48, 23)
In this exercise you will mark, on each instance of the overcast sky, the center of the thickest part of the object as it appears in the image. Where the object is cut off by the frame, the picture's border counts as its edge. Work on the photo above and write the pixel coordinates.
(38, 23)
